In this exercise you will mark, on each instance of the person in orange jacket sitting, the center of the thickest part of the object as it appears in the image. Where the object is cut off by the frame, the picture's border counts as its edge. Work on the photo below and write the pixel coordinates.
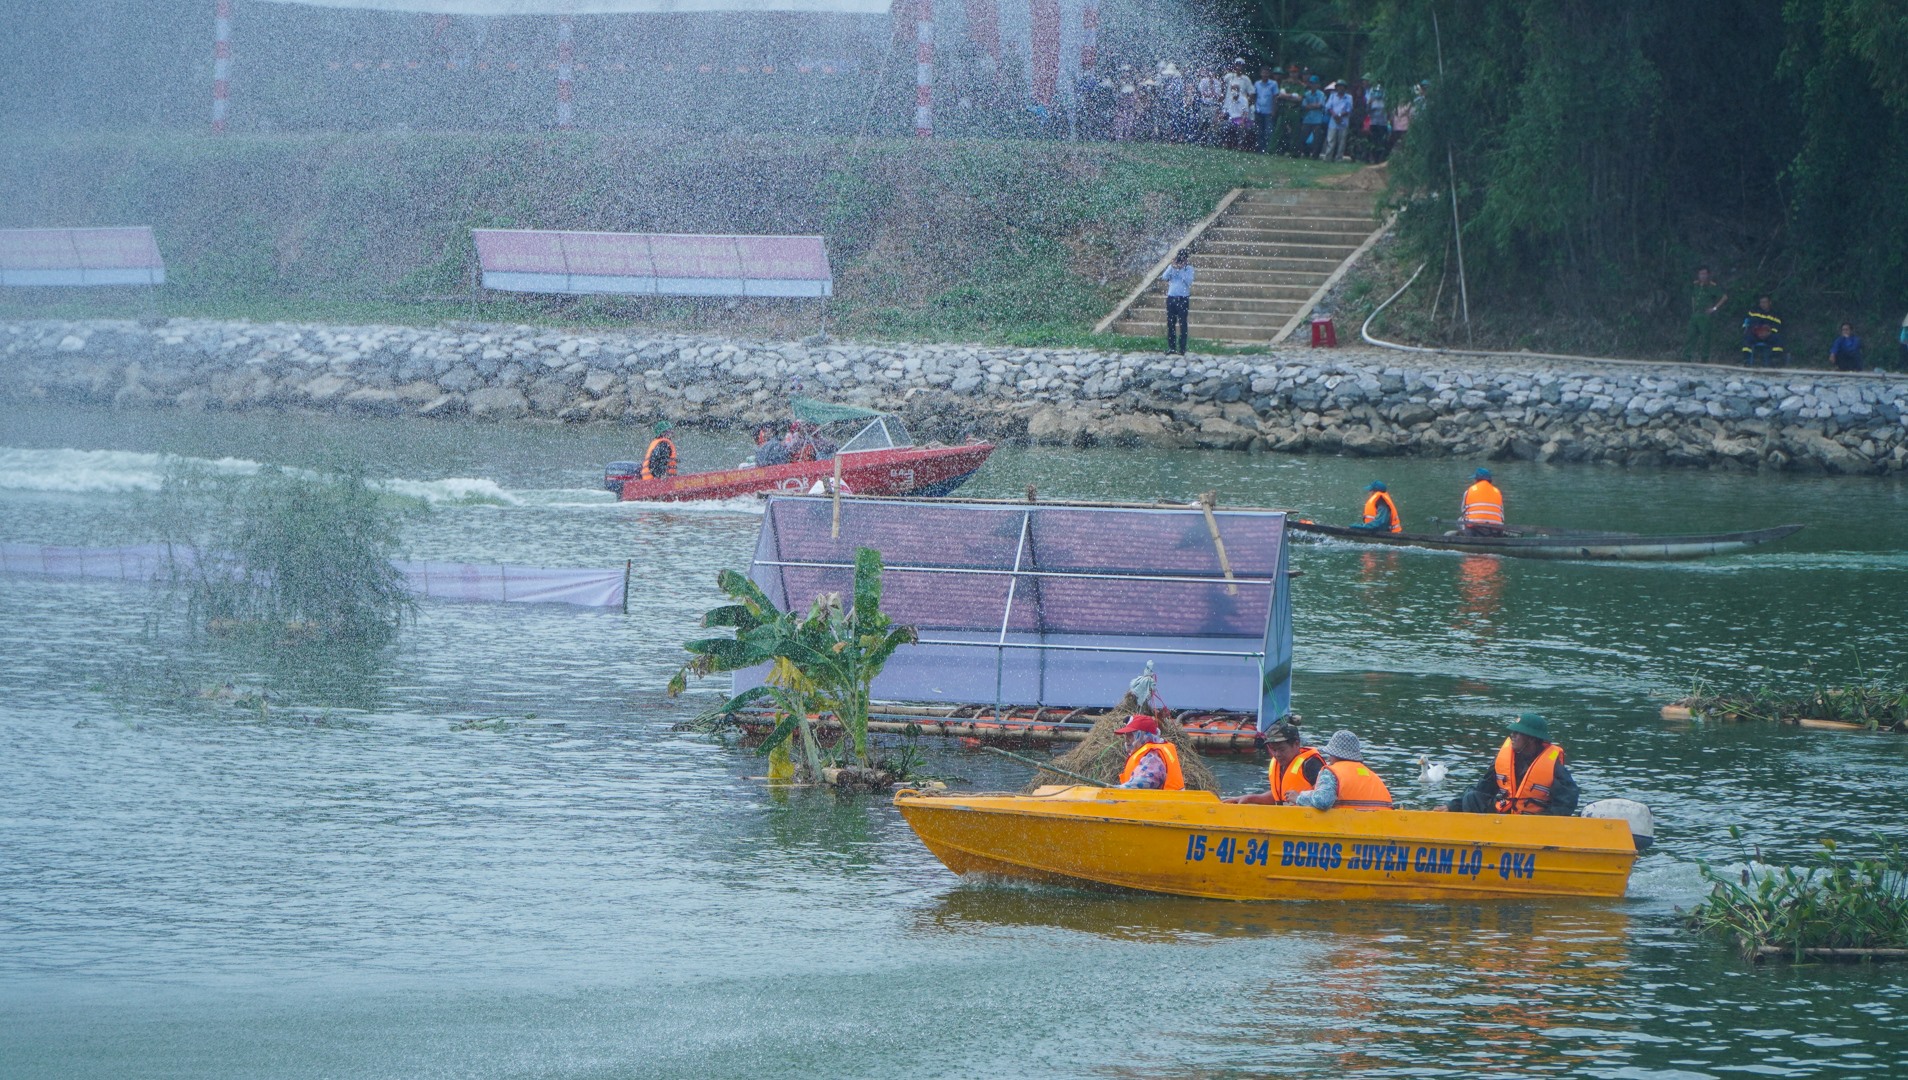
(660, 459)
(1381, 514)
(1294, 768)
(1344, 782)
(1528, 777)
(1151, 762)
(1482, 513)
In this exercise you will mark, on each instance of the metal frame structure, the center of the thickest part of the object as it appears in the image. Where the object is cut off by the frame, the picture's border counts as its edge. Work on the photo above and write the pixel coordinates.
(1036, 663)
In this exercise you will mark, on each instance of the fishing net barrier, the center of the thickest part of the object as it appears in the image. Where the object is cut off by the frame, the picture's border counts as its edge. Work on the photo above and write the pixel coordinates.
(454, 582)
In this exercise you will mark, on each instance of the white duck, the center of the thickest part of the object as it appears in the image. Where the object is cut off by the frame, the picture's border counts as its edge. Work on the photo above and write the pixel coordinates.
(1431, 775)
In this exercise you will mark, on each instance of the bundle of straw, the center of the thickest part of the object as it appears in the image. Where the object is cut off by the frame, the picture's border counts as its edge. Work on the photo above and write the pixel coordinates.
(1102, 754)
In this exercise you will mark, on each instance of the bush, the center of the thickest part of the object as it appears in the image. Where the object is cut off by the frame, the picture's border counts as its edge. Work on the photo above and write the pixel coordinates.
(287, 553)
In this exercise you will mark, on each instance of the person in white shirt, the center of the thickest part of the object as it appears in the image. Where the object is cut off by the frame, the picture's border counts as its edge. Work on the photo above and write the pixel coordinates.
(1238, 105)
(1338, 110)
(1178, 278)
(1265, 104)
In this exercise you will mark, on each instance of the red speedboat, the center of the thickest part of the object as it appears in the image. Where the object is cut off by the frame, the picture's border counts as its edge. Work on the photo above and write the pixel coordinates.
(880, 459)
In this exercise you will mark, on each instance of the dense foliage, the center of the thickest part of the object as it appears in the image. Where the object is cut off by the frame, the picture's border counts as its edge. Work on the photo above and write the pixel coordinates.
(1601, 151)
(827, 659)
(990, 239)
(1840, 902)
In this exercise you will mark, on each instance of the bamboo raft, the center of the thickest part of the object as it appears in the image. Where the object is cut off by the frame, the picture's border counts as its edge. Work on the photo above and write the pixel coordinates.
(1680, 711)
(1210, 732)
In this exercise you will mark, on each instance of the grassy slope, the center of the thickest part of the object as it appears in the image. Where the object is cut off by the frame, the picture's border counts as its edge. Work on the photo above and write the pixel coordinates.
(989, 240)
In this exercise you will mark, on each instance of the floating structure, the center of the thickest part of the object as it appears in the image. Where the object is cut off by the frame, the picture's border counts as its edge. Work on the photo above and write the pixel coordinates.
(1051, 606)
(1542, 542)
(1188, 843)
(876, 456)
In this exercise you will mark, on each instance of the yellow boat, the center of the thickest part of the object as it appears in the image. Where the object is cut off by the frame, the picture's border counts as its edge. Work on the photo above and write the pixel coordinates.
(1188, 843)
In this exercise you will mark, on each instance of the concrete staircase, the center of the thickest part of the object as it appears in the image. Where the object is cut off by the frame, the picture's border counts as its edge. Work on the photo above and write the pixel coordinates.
(1260, 262)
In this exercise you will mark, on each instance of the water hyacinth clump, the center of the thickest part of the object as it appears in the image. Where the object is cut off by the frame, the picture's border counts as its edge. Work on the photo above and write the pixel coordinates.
(289, 554)
(1876, 705)
(1840, 906)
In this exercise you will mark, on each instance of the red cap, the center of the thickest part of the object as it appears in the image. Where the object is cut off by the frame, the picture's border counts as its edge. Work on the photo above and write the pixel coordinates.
(1139, 723)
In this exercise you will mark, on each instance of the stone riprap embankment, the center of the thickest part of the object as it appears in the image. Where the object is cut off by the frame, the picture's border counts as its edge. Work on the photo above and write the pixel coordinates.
(1349, 401)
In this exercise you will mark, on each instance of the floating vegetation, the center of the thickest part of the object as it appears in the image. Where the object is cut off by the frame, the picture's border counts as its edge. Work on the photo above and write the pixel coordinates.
(287, 557)
(1870, 706)
(1840, 908)
(824, 662)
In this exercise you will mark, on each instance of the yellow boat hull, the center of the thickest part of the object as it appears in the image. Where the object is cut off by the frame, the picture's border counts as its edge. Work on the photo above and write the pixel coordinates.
(1188, 843)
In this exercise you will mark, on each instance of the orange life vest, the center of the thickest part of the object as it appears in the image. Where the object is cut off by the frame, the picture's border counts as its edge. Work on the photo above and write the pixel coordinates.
(1291, 779)
(1483, 504)
(1359, 788)
(670, 469)
(1531, 795)
(1175, 780)
(1371, 510)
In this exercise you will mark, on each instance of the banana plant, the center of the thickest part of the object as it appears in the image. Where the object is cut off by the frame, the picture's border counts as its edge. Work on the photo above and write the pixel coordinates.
(828, 658)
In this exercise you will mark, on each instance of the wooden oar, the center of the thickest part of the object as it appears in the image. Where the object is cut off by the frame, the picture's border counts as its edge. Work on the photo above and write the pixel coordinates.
(1056, 770)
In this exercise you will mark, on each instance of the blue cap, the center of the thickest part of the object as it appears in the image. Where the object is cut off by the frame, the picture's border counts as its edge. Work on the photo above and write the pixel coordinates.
(1377, 485)
(1481, 474)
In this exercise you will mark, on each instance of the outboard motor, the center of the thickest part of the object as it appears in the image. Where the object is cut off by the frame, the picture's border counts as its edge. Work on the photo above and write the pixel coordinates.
(1642, 824)
(618, 471)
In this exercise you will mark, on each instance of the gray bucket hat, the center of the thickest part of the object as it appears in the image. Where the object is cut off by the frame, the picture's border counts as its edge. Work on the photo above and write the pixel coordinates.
(1343, 746)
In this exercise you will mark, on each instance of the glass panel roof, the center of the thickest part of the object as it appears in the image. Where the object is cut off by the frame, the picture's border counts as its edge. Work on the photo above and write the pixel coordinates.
(1042, 604)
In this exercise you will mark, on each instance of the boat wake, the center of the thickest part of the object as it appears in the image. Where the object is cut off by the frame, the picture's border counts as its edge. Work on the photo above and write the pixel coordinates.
(90, 472)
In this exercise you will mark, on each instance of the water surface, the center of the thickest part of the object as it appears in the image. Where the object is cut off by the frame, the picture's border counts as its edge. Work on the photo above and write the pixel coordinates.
(346, 885)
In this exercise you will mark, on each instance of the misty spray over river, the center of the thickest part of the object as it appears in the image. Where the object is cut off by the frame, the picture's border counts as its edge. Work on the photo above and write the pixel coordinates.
(350, 886)
(488, 849)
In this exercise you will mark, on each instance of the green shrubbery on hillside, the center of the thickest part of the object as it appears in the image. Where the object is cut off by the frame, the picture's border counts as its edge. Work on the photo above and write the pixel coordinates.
(982, 239)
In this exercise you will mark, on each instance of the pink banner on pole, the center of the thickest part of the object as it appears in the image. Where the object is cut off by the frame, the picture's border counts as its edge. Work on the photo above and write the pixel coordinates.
(983, 25)
(924, 68)
(1046, 49)
(221, 64)
(114, 256)
(1089, 36)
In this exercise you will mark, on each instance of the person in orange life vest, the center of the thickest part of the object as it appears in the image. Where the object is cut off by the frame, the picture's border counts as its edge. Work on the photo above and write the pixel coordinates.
(769, 448)
(1483, 510)
(660, 459)
(1344, 782)
(1528, 777)
(1151, 762)
(1381, 514)
(1294, 768)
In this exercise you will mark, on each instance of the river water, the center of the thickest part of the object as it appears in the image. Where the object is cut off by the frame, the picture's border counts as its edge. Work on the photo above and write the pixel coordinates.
(347, 885)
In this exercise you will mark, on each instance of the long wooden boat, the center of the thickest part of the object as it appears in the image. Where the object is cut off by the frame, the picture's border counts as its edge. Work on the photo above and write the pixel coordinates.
(1188, 843)
(1537, 542)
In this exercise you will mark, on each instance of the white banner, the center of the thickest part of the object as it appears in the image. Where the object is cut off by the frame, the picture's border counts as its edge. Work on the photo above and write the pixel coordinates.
(467, 582)
(601, 7)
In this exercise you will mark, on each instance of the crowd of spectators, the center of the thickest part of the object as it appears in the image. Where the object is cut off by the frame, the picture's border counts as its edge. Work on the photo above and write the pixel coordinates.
(1293, 111)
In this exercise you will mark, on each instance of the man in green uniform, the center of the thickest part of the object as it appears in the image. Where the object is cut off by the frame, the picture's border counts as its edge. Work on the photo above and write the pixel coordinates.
(1706, 298)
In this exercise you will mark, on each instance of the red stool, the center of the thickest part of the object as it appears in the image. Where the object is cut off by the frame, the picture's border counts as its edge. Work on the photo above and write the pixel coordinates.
(1323, 332)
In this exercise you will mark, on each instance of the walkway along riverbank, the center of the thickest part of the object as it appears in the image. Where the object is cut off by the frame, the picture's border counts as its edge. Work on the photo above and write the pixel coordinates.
(1353, 401)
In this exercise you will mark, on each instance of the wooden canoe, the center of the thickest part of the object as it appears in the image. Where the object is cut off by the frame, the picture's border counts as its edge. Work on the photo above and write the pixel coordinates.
(1538, 542)
(1188, 843)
